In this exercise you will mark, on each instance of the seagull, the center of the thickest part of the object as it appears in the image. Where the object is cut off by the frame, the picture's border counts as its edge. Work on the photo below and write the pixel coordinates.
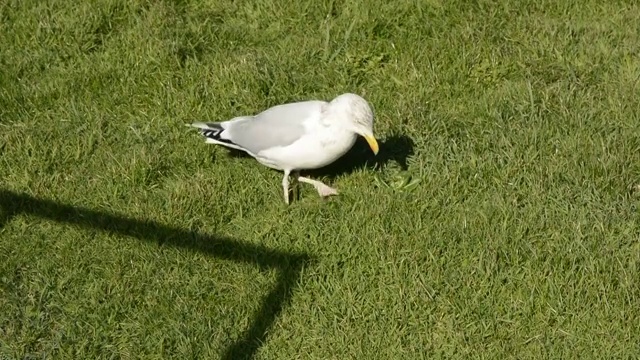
(297, 136)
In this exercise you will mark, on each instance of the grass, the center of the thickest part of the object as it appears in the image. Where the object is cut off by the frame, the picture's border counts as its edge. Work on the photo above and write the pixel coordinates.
(499, 221)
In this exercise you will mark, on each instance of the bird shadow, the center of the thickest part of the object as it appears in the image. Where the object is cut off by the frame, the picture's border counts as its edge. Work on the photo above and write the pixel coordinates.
(396, 147)
(289, 265)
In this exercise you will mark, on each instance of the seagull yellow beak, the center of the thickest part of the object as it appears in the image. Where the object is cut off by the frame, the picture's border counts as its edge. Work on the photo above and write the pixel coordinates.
(373, 144)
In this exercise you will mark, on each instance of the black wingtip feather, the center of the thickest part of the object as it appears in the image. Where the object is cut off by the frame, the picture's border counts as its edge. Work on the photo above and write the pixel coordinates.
(214, 131)
(211, 133)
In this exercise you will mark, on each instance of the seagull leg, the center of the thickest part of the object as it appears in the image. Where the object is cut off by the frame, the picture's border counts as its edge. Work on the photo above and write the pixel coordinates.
(323, 190)
(285, 186)
(296, 185)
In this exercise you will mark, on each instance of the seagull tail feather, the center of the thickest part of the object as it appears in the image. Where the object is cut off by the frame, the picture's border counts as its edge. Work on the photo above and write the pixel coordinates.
(213, 134)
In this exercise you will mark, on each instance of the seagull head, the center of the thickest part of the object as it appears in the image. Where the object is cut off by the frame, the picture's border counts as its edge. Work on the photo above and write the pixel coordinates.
(357, 116)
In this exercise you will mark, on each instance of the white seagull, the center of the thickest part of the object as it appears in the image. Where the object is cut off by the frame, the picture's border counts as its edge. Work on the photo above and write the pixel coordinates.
(297, 136)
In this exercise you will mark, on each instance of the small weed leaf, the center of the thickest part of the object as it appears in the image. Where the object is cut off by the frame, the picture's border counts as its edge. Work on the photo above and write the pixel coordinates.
(400, 182)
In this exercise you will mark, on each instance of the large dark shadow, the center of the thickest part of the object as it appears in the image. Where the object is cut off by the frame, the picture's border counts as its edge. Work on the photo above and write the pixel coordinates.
(396, 148)
(289, 265)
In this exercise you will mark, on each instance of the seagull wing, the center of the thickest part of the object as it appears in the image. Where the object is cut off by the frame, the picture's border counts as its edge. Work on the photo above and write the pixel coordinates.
(278, 126)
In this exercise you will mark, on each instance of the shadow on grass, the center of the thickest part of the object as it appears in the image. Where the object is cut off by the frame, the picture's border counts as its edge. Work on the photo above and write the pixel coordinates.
(396, 148)
(289, 265)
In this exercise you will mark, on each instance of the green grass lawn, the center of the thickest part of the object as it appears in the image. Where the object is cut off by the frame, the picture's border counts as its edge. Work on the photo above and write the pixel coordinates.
(501, 219)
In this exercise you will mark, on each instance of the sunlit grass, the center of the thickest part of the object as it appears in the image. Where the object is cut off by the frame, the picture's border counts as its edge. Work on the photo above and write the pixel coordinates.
(500, 221)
